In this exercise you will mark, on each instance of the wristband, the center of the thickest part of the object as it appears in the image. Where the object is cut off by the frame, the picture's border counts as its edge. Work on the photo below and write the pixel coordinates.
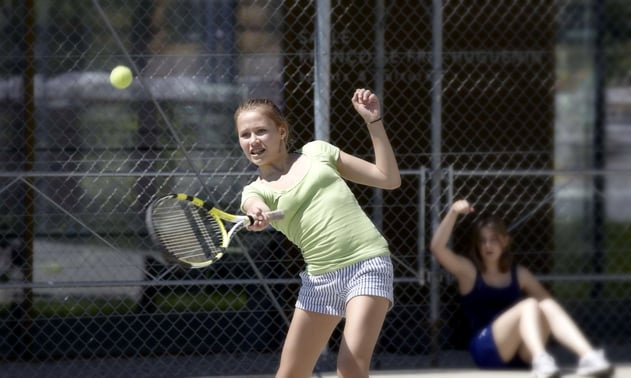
(375, 121)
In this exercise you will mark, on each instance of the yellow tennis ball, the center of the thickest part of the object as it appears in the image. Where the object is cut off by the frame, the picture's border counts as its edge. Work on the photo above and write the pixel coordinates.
(121, 77)
(53, 267)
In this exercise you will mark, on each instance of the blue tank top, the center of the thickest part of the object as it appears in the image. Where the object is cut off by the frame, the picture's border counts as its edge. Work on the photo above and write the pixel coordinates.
(484, 303)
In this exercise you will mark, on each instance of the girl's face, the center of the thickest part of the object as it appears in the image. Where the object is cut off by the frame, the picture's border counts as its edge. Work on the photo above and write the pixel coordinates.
(260, 138)
(491, 245)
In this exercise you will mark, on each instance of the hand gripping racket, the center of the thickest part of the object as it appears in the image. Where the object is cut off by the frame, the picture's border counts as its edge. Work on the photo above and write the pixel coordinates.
(192, 231)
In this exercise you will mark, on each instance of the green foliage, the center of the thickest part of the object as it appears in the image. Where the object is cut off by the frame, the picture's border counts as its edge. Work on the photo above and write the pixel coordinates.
(574, 256)
(83, 306)
(199, 301)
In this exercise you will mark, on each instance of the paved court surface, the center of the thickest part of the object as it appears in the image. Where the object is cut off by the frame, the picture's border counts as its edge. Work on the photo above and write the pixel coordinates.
(622, 371)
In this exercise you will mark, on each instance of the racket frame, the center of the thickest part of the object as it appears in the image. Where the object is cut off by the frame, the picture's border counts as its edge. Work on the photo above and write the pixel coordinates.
(220, 216)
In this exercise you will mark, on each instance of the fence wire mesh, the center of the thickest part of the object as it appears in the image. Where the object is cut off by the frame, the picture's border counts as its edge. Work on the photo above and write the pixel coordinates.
(522, 107)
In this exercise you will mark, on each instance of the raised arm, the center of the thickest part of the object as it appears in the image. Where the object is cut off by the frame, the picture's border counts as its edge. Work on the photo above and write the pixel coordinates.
(384, 172)
(459, 266)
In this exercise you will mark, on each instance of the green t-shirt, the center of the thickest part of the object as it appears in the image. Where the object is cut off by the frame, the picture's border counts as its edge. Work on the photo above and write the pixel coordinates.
(322, 216)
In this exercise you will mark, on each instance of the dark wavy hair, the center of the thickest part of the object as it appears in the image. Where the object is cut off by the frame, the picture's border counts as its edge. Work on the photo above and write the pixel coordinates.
(498, 225)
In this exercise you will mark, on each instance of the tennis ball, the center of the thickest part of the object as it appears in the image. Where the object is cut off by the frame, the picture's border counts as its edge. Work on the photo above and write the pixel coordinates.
(121, 77)
(53, 267)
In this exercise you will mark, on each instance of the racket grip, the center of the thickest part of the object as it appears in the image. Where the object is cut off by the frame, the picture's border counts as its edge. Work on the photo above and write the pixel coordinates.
(276, 214)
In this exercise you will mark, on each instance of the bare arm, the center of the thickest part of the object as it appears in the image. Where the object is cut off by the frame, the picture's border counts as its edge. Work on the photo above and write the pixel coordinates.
(531, 285)
(384, 172)
(455, 264)
(257, 208)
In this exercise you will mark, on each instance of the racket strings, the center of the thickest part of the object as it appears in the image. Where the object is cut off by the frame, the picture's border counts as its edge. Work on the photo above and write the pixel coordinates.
(188, 232)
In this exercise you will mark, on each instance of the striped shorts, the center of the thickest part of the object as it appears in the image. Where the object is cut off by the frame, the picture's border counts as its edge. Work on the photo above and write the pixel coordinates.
(328, 293)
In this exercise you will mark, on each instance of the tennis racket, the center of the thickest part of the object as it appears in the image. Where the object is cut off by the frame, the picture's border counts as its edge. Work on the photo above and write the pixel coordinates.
(193, 232)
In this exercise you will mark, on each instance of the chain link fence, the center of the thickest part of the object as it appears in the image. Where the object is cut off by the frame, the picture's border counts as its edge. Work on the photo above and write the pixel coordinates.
(522, 107)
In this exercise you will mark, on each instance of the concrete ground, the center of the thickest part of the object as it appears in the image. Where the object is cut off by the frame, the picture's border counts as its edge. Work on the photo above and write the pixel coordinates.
(622, 371)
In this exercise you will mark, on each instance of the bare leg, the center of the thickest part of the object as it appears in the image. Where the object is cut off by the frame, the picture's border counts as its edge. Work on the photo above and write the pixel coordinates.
(307, 335)
(364, 319)
(522, 330)
(564, 329)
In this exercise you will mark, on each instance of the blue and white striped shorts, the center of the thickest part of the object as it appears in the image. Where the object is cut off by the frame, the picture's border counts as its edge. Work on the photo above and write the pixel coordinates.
(328, 293)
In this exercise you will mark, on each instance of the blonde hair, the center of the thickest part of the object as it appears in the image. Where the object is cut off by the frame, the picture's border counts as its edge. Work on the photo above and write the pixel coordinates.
(268, 108)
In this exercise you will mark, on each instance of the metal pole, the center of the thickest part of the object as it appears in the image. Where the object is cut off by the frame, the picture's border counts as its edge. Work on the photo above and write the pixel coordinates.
(379, 53)
(599, 160)
(322, 63)
(436, 109)
(28, 234)
(422, 274)
(322, 85)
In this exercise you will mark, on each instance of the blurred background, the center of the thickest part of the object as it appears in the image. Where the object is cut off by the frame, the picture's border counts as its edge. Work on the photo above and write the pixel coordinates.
(522, 107)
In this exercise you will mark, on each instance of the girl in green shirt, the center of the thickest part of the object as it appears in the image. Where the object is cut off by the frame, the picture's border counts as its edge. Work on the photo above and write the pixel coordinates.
(348, 269)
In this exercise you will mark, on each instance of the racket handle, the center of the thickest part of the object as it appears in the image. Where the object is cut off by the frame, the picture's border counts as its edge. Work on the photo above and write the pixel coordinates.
(276, 214)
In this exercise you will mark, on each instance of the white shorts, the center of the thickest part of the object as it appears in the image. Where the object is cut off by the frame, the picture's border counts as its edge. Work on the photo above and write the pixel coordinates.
(328, 293)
